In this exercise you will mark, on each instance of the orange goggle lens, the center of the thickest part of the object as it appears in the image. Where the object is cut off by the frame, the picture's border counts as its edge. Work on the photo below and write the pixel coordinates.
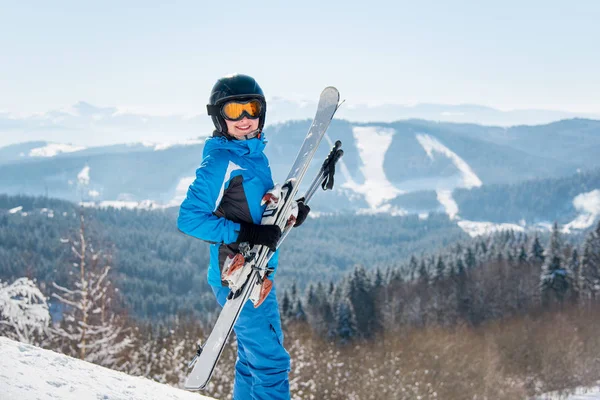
(235, 110)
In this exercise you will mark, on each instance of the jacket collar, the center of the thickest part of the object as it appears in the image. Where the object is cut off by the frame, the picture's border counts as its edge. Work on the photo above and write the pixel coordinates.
(242, 147)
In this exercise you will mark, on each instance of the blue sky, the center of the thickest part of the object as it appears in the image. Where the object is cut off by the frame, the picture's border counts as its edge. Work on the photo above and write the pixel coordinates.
(165, 58)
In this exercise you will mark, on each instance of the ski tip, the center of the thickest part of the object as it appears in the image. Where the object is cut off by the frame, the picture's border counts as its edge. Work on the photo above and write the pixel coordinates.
(330, 97)
(330, 90)
(194, 387)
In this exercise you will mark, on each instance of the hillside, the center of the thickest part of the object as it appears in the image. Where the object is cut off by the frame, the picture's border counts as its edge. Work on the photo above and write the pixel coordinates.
(381, 163)
(162, 272)
(30, 373)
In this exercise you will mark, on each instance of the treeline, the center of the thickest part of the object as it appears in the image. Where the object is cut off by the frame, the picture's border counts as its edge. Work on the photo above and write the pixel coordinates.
(504, 275)
(534, 201)
(526, 322)
(162, 272)
(499, 317)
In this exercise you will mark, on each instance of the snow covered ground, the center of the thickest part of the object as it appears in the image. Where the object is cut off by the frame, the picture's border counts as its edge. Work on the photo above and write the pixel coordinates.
(478, 228)
(588, 206)
(130, 205)
(159, 146)
(28, 372)
(372, 143)
(444, 193)
(53, 149)
(592, 393)
(431, 145)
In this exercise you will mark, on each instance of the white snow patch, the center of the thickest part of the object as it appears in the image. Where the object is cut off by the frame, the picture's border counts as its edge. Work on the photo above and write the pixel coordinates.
(189, 142)
(580, 393)
(53, 149)
(93, 193)
(384, 209)
(83, 177)
(588, 205)
(24, 309)
(478, 228)
(130, 205)
(423, 216)
(445, 198)
(316, 214)
(431, 145)
(49, 213)
(444, 191)
(543, 226)
(181, 190)
(15, 210)
(372, 143)
(166, 145)
(61, 377)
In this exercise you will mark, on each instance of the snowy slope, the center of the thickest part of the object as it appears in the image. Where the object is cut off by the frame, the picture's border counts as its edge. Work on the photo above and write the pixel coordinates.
(372, 143)
(28, 373)
(53, 149)
(588, 206)
(576, 394)
(468, 177)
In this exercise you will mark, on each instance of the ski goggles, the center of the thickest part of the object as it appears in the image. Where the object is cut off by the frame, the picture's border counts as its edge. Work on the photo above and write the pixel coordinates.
(236, 110)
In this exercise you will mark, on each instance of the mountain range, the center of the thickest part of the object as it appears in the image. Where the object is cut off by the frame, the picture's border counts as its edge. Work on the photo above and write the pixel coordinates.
(409, 166)
(84, 124)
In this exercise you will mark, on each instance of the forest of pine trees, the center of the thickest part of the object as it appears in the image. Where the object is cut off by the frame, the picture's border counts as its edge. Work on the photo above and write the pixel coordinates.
(503, 275)
(419, 323)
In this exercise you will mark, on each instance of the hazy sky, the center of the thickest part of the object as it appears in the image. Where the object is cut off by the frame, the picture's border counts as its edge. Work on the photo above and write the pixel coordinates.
(165, 58)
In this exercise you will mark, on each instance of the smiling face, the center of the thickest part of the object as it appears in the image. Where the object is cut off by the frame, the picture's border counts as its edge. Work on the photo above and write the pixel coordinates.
(239, 129)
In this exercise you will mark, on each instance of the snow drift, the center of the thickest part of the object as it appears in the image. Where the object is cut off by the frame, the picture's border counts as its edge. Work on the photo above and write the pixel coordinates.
(28, 372)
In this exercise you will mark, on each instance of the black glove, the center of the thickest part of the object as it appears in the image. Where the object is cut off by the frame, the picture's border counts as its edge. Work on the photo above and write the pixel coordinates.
(267, 235)
(303, 211)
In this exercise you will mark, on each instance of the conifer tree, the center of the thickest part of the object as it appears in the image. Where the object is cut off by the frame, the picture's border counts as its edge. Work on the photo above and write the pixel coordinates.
(299, 314)
(574, 273)
(470, 259)
(423, 274)
(554, 282)
(536, 251)
(90, 329)
(522, 258)
(363, 301)
(440, 268)
(24, 312)
(413, 268)
(590, 267)
(286, 307)
(345, 322)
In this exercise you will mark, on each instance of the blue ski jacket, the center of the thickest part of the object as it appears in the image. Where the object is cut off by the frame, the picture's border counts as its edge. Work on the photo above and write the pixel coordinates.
(228, 189)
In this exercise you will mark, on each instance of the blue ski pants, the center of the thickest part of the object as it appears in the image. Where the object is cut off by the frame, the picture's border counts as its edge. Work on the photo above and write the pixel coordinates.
(263, 364)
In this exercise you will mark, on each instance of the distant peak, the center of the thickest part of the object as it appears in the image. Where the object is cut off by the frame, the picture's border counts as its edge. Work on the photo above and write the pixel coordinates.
(84, 108)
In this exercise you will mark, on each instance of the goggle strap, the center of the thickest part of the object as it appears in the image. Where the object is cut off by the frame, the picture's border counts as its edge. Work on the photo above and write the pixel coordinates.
(213, 110)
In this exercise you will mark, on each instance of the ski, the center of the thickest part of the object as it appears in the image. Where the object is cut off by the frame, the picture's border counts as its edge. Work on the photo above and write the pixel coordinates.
(256, 259)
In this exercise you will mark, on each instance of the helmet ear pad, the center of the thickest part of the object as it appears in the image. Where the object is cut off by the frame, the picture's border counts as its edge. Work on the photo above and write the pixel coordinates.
(219, 123)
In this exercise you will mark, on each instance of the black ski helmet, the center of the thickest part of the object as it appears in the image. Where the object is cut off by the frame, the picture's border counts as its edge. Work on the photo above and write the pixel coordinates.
(234, 87)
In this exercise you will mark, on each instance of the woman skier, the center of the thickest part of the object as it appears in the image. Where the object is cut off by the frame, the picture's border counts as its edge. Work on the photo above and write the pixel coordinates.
(223, 207)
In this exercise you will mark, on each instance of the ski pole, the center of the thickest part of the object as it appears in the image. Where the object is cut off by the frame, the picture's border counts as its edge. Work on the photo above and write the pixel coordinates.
(326, 173)
(324, 178)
